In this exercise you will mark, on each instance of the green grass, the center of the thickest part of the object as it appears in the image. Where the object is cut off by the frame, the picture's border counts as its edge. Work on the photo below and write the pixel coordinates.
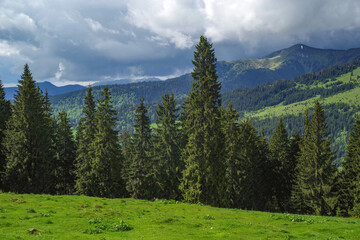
(80, 217)
(350, 97)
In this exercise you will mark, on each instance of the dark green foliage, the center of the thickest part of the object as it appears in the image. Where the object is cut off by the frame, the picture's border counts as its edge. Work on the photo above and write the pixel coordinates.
(234, 165)
(254, 173)
(140, 181)
(5, 112)
(282, 166)
(66, 155)
(105, 152)
(85, 136)
(350, 186)
(286, 92)
(313, 192)
(203, 177)
(167, 147)
(28, 141)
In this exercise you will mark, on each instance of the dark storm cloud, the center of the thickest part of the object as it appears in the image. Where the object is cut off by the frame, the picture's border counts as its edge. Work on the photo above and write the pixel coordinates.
(80, 40)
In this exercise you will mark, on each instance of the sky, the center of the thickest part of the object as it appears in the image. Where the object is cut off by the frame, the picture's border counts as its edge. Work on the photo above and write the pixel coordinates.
(87, 41)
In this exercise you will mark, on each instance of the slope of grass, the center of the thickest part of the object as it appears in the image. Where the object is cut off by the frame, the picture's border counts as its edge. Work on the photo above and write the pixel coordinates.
(80, 217)
(350, 97)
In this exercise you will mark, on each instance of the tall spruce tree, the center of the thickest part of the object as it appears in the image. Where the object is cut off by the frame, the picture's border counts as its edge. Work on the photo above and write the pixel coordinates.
(315, 170)
(203, 177)
(84, 137)
(28, 142)
(141, 176)
(5, 112)
(66, 155)
(281, 166)
(254, 164)
(168, 148)
(234, 164)
(106, 162)
(350, 186)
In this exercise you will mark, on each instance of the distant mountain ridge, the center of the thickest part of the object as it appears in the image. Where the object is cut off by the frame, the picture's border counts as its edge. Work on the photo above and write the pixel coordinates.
(46, 86)
(287, 63)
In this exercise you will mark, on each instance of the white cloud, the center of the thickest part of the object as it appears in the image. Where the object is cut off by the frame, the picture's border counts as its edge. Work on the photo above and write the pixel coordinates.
(7, 50)
(97, 27)
(59, 73)
(107, 38)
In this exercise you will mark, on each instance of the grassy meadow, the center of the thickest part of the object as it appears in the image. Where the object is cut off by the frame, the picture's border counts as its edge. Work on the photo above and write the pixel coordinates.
(81, 217)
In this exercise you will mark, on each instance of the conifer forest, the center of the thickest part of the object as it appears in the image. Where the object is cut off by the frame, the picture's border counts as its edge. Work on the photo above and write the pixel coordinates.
(202, 152)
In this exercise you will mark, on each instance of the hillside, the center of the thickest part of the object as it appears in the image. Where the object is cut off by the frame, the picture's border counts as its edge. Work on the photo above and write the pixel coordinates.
(337, 88)
(283, 64)
(80, 217)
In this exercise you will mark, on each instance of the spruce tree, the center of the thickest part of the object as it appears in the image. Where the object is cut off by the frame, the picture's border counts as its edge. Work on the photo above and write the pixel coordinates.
(315, 170)
(106, 162)
(28, 142)
(234, 164)
(254, 176)
(203, 177)
(5, 112)
(84, 137)
(66, 155)
(167, 148)
(350, 186)
(141, 176)
(281, 166)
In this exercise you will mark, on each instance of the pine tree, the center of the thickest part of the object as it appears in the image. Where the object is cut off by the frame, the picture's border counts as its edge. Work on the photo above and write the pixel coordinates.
(106, 162)
(315, 170)
(203, 177)
(167, 148)
(84, 137)
(350, 187)
(28, 144)
(281, 166)
(66, 155)
(5, 112)
(234, 165)
(254, 164)
(141, 177)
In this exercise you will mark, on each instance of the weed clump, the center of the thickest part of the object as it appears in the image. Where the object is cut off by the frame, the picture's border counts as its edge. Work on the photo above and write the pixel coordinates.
(209, 217)
(97, 225)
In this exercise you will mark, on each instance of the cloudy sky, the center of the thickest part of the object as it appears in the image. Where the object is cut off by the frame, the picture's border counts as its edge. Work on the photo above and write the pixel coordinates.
(66, 41)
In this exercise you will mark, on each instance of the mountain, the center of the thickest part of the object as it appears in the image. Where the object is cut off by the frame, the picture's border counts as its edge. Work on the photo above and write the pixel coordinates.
(46, 86)
(125, 81)
(337, 88)
(283, 64)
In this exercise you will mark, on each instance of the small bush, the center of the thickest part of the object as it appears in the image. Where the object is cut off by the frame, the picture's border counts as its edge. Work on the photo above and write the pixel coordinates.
(120, 226)
(208, 217)
(97, 226)
(298, 218)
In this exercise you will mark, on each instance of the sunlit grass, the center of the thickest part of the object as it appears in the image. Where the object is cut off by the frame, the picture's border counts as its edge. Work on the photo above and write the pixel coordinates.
(80, 217)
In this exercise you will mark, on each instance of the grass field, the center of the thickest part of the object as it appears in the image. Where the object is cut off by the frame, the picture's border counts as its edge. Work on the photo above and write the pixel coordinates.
(80, 217)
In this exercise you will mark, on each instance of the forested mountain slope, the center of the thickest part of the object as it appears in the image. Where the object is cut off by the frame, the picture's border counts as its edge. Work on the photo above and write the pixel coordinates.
(336, 87)
(283, 64)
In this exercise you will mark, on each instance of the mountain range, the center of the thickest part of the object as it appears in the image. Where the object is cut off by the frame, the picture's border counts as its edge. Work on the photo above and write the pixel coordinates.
(256, 90)
(46, 86)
